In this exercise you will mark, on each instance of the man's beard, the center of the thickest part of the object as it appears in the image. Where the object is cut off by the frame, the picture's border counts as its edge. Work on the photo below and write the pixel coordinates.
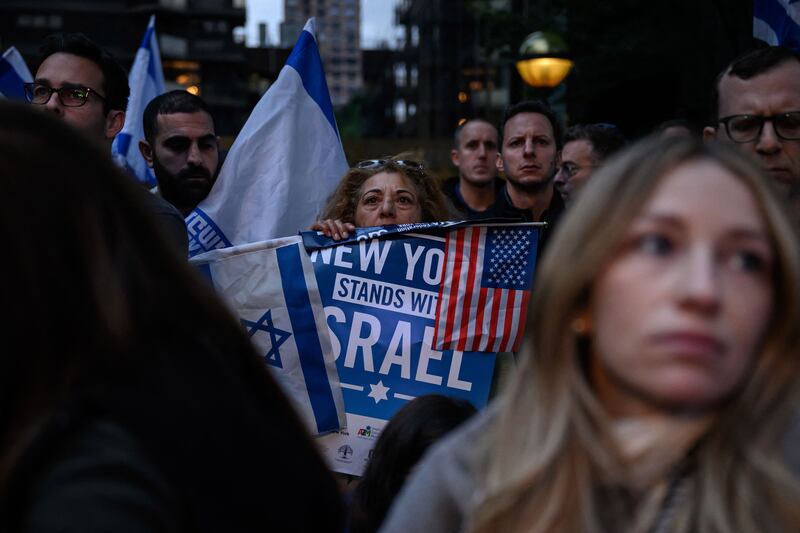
(177, 190)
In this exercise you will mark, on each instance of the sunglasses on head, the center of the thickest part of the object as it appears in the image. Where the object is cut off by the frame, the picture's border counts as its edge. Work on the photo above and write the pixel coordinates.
(378, 163)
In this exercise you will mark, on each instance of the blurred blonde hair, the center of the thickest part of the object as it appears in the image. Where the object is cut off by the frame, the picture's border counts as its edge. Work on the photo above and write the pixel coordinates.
(552, 450)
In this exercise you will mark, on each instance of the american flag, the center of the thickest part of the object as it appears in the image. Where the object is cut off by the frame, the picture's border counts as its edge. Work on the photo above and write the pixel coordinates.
(483, 296)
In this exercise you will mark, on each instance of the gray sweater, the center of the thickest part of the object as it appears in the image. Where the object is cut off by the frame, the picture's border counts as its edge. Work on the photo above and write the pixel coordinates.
(440, 493)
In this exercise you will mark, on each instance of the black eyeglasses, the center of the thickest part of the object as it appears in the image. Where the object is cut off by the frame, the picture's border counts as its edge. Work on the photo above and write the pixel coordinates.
(378, 163)
(36, 93)
(748, 128)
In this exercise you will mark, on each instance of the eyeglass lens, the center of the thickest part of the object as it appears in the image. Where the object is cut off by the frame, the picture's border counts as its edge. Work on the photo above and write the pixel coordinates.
(69, 96)
(746, 128)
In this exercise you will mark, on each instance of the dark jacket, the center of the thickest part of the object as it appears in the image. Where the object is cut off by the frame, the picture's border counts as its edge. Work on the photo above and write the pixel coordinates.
(450, 188)
(182, 442)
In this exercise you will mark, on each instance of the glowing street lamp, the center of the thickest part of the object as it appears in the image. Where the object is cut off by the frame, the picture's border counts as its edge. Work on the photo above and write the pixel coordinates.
(543, 59)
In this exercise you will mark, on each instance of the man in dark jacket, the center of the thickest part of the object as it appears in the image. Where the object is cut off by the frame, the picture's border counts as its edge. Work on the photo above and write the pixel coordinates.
(474, 154)
(182, 148)
(530, 142)
(756, 107)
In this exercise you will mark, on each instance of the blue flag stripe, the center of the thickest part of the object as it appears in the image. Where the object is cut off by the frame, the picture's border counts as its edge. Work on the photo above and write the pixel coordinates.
(309, 350)
(123, 143)
(305, 59)
(774, 14)
(152, 70)
(195, 239)
(10, 81)
(205, 273)
(146, 82)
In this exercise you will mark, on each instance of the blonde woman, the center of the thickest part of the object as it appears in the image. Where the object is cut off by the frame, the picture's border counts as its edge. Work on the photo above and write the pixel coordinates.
(658, 386)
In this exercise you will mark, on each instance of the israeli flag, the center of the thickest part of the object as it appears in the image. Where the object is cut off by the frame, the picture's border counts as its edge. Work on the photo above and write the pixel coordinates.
(272, 288)
(146, 81)
(13, 74)
(777, 22)
(284, 164)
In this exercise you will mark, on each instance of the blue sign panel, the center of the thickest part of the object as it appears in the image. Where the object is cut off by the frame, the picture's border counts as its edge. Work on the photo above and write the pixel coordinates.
(380, 297)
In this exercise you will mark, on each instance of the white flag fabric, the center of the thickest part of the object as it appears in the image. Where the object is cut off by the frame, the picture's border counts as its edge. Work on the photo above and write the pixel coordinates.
(13, 74)
(777, 22)
(284, 164)
(146, 81)
(272, 288)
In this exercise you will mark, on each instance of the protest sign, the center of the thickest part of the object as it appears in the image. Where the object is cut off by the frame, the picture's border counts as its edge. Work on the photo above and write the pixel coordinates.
(380, 297)
(271, 287)
(371, 305)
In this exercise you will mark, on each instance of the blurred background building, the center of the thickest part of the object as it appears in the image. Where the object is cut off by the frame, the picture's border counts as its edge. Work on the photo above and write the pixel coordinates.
(441, 71)
(338, 36)
(444, 61)
(198, 49)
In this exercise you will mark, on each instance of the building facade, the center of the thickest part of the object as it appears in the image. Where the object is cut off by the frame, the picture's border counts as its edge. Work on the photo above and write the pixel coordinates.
(443, 73)
(196, 39)
(338, 37)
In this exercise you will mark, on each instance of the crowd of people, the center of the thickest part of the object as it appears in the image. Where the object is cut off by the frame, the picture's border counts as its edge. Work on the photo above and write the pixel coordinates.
(657, 388)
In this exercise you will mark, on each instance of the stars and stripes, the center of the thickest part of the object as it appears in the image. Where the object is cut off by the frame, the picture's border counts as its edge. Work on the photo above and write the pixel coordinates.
(483, 297)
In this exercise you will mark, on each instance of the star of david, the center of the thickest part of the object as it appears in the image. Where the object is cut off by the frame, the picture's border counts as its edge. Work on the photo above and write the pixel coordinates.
(378, 391)
(276, 336)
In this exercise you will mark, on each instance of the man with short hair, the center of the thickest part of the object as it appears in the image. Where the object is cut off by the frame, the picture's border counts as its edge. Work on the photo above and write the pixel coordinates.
(585, 148)
(474, 154)
(756, 107)
(84, 85)
(181, 147)
(529, 144)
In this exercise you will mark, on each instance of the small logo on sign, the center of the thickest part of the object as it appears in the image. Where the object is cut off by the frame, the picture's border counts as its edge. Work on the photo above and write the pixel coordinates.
(345, 452)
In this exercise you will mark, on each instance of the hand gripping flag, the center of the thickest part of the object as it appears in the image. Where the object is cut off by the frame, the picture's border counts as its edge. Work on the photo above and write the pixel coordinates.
(282, 167)
(271, 287)
(484, 293)
(777, 22)
(146, 81)
(13, 74)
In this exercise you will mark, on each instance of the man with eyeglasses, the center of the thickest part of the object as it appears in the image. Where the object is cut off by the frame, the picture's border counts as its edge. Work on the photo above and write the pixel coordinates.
(83, 84)
(586, 146)
(756, 106)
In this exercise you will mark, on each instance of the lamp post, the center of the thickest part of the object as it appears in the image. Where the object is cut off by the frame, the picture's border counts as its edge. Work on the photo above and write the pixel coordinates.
(543, 59)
